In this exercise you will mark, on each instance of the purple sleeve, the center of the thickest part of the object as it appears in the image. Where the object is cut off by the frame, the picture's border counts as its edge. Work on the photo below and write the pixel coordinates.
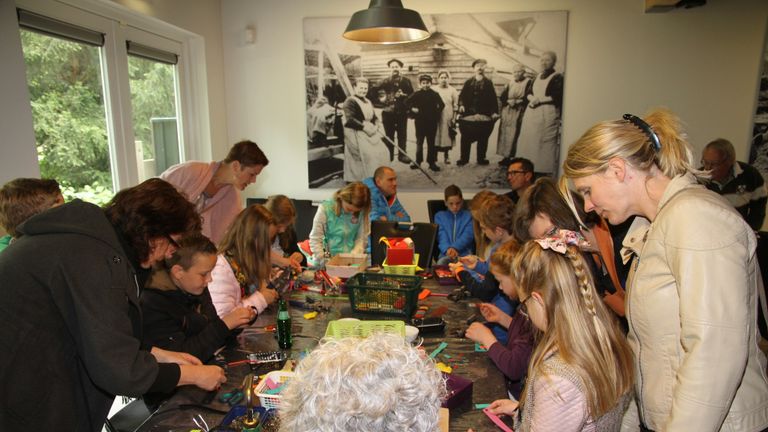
(513, 359)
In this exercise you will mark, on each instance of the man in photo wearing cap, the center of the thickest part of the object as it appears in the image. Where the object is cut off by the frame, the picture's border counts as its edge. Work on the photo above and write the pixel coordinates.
(479, 110)
(395, 114)
(425, 106)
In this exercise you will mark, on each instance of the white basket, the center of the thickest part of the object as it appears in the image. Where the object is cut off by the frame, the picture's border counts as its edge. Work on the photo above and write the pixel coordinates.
(272, 401)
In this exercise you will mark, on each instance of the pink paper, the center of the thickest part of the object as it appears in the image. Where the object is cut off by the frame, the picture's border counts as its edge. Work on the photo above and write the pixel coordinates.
(494, 418)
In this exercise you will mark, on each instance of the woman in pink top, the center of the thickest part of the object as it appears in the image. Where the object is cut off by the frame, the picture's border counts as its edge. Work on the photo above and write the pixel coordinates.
(215, 187)
(580, 374)
(243, 266)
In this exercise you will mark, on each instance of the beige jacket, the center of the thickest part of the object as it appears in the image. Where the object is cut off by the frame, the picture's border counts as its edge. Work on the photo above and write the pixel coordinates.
(692, 312)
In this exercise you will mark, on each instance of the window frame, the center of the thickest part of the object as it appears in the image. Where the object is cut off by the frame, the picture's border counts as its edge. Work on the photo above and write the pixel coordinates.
(119, 25)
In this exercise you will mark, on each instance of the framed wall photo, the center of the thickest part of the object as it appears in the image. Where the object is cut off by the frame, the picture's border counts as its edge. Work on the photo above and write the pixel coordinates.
(758, 153)
(452, 109)
(758, 150)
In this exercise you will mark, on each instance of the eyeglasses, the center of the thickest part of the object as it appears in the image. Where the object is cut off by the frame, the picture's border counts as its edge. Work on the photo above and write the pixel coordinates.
(515, 172)
(172, 242)
(523, 308)
(713, 164)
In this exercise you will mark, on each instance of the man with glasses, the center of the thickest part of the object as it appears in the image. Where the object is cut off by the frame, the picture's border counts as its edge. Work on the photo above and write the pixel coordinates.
(519, 176)
(740, 183)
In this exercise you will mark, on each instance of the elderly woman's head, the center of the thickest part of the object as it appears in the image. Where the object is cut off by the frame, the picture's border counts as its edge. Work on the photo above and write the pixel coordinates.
(380, 383)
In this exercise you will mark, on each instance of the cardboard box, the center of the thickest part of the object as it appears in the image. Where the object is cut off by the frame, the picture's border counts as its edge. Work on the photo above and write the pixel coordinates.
(346, 265)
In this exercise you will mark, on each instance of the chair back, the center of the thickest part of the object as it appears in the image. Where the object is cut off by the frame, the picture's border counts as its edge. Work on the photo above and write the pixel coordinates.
(424, 236)
(434, 206)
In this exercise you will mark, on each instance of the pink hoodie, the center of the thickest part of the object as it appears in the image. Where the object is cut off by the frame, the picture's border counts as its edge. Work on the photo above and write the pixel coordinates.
(191, 178)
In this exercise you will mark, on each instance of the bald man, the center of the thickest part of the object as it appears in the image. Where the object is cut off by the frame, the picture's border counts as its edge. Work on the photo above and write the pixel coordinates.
(384, 203)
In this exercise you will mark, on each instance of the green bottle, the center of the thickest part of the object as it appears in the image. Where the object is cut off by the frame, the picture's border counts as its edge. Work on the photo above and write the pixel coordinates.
(284, 339)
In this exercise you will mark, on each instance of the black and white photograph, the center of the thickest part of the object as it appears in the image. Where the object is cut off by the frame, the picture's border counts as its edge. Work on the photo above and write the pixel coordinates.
(758, 154)
(456, 108)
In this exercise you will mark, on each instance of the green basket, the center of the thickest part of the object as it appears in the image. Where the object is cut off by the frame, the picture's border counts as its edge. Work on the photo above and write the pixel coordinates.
(390, 294)
(361, 329)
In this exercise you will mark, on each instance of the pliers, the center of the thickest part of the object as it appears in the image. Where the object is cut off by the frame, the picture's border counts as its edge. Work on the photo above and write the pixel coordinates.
(232, 397)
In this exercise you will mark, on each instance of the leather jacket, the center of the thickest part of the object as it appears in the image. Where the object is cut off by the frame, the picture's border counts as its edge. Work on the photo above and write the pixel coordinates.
(692, 312)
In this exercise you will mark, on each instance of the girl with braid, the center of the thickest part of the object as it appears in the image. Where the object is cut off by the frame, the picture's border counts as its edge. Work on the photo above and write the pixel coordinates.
(580, 373)
(693, 287)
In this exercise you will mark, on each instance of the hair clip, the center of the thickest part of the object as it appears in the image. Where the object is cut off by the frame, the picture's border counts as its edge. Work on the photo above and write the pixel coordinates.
(560, 241)
(646, 128)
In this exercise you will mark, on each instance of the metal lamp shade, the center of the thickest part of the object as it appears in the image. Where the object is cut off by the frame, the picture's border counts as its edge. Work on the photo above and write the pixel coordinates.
(386, 22)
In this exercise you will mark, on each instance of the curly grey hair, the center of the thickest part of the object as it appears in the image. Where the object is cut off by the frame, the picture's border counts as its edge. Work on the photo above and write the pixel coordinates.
(375, 384)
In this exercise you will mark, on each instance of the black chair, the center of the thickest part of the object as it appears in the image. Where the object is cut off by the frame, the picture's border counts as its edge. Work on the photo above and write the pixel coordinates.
(305, 214)
(434, 206)
(424, 236)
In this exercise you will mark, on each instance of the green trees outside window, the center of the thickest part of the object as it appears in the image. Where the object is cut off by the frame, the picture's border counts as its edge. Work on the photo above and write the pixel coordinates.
(66, 88)
(67, 97)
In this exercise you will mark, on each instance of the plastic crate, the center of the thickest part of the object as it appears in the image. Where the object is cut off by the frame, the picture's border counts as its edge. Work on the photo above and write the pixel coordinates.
(444, 275)
(402, 269)
(267, 400)
(390, 294)
(361, 329)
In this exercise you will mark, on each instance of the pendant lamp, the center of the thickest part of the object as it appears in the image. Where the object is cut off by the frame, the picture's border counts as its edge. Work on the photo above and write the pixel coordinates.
(386, 22)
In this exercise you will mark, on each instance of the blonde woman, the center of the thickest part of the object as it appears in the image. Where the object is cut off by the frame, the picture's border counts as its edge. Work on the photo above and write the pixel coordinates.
(341, 224)
(692, 293)
(580, 374)
(243, 265)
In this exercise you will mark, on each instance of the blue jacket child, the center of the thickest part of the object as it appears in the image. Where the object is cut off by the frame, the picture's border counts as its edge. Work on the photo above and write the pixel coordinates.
(455, 235)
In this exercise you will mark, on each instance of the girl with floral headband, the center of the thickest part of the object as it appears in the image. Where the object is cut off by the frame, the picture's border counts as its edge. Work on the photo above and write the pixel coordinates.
(580, 373)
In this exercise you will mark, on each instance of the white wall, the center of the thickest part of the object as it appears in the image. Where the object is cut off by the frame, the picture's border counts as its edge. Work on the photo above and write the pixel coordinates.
(18, 157)
(702, 63)
(202, 17)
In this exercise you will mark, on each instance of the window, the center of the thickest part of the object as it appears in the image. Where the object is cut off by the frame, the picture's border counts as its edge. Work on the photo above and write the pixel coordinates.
(114, 94)
(152, 75)
(64, 76)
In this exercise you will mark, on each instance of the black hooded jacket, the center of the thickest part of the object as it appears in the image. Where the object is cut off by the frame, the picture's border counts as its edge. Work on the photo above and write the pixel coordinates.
(70, 323)
(177, 321)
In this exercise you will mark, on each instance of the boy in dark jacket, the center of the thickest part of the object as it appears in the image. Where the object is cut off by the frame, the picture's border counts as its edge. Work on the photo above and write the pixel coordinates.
(178, 312)
(425, 106)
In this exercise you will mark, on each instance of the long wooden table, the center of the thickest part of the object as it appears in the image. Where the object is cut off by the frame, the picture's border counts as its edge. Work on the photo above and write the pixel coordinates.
(177, 413)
